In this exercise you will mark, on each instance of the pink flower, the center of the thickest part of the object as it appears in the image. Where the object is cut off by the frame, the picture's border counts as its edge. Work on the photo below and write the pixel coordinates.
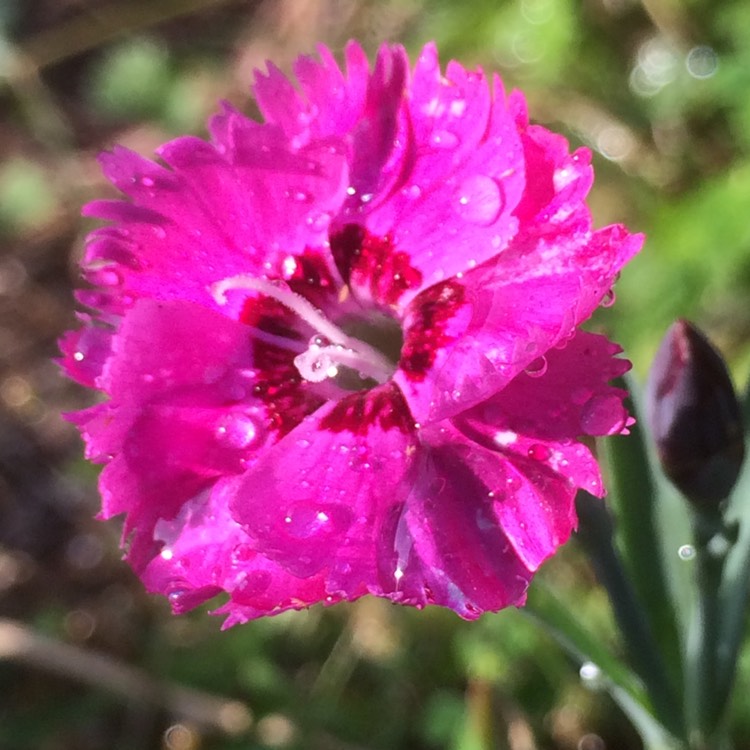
(340, 349)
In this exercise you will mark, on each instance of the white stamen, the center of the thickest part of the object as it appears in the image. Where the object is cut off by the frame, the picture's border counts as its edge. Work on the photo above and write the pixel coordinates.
(321, 359)
(295, 302)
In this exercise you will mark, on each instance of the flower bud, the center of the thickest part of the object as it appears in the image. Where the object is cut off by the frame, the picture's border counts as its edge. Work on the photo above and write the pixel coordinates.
(694, 416)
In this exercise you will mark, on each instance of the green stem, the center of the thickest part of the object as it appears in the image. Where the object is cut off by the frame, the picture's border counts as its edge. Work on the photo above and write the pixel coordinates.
(705, 696)
(596, 535)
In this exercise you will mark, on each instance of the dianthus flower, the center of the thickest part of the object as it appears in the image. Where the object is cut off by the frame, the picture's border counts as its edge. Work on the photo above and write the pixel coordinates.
(340, 348)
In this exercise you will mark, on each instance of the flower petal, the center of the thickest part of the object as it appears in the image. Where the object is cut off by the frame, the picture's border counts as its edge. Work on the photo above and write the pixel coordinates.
(477, 525)
(509, 316)
(204, 551)
(172, 220)
(321, 497)
(461, 176)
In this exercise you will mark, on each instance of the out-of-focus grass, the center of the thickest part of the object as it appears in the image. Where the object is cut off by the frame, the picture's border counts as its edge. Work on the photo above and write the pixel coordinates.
(657, 89)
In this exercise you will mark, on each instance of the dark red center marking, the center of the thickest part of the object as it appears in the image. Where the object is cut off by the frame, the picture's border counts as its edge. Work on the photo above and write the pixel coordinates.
(426, 334)
(384, 406)
(365, 260)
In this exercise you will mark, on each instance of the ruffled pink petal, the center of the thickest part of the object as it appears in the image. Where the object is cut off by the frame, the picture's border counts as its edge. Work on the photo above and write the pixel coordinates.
(320, 499)
(182, 412)
(570, 397)
(165, 347)
(357, 104)
(203, 551)
(252, 173)
(85, 351)
(557, 181)
(461, 177)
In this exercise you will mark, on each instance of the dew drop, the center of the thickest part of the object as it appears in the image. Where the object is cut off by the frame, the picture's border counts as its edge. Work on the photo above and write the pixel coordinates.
(591, 675)
(160, 233)
(608, 299)
(319, 341)
(536, 368)
(79, 356)
(175, 596)
(289, 266)
(238, 430)
(505, 438)
(176, 591)
(413, 192)
(251, 586)
(299, 196)
(147, 181)
(478, 200)
(686, 552)
(580, 395)
(306, 519)
(318, 222)
(106, 277)
(458, 107)
(539, 452)
(242, 553)
(603, 415)
(444, 139)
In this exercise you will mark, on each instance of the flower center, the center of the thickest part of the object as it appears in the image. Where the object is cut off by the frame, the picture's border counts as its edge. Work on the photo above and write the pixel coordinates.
(331, 348)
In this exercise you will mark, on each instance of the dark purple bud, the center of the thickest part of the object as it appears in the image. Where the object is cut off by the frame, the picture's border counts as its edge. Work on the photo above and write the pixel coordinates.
(694, 415)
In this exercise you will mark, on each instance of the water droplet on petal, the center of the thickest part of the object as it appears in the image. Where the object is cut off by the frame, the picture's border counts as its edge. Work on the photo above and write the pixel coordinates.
(147, 181)
(299, 196)
(176, 591)
(160, 233)
(580, 395)
(318, 222)
(242, 553)
(105, 277)
(305, 519)
(238, 430)
(686, 552)
(444, 139)
(608, 299)
(505, 438)
(289, 266)
(458, 107)
(537, 367)
(478, 200)
(251, 585)
(413, 192)
(539, 452)
(603, 415)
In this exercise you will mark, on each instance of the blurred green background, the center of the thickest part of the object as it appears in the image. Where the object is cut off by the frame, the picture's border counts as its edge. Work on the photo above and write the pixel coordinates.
(658, 89)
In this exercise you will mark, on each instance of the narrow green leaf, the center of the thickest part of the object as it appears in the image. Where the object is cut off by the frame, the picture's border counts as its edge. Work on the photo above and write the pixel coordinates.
(735, 585)
(546, 609)
(553, 616)
(595, 535)
(651, 525)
